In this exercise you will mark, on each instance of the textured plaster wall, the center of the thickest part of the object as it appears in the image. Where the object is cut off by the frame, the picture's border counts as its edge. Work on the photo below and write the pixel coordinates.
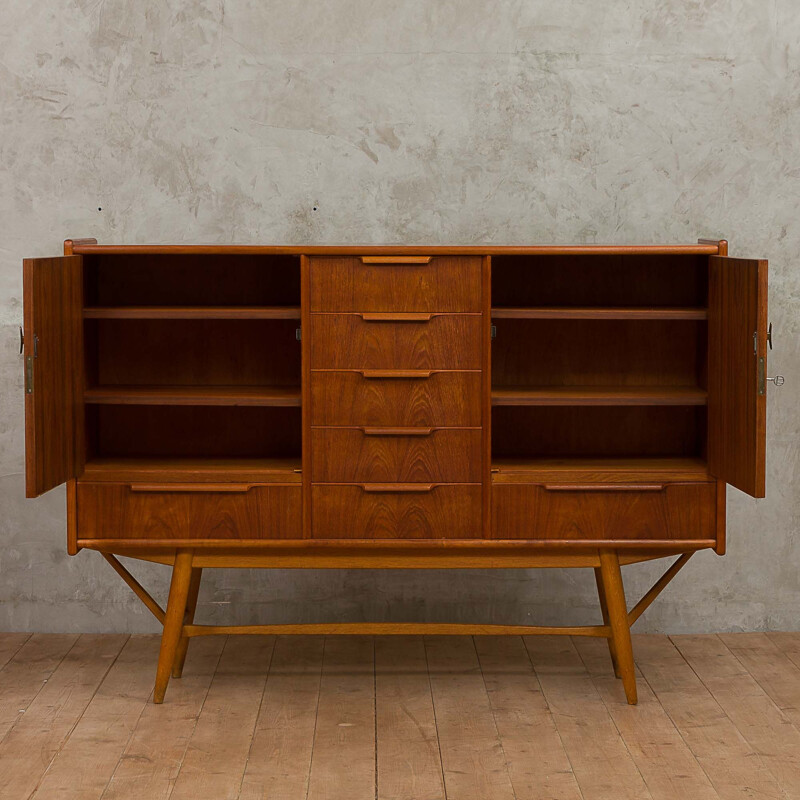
(424, 121)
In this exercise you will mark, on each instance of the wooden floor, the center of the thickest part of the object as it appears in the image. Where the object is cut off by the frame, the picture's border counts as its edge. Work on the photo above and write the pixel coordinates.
(406, 718)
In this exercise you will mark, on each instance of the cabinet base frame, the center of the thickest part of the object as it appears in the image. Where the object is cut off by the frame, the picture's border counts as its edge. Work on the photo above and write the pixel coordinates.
(187, 566)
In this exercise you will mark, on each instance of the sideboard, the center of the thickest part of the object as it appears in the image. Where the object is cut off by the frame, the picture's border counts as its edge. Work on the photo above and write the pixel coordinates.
(395, 407)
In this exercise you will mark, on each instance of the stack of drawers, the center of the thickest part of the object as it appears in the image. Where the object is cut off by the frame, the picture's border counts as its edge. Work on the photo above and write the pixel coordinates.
(396, 354)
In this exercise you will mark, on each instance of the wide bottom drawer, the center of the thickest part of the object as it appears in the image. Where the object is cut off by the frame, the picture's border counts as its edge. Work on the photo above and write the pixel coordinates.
(396, 511)
(188, 511)
(675, 511)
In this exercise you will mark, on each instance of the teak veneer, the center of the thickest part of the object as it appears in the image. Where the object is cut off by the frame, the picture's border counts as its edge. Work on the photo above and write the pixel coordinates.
(395, 407)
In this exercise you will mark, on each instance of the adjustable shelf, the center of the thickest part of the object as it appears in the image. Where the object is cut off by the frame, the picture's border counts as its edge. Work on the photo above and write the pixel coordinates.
(598, 396)
(194, 470)
(192, 312)
(591, 312)
(194, 395)
(590, 470)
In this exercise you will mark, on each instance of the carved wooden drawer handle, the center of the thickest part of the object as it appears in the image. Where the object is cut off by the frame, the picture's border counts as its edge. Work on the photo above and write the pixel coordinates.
(414, 374)
(395, 317)
(192, 487)
(407, 488)
(397, 431)
(395, 259)
(606, 487)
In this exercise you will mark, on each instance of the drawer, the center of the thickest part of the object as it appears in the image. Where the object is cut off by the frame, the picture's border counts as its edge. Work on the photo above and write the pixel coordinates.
(441, 283)
(396, 511)
(593, 512)
(382, 341)
(188, 511)
(344, 455)
(424, 398)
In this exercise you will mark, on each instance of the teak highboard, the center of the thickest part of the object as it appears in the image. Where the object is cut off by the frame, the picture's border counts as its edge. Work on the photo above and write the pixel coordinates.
(395, 407)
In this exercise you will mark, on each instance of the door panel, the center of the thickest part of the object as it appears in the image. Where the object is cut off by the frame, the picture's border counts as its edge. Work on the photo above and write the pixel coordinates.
(737, 361)
(53, 307)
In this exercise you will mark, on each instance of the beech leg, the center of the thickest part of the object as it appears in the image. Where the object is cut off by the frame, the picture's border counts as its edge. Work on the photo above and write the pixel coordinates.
(601, 594)
(188, 619)
(173, 621)
(618, 620)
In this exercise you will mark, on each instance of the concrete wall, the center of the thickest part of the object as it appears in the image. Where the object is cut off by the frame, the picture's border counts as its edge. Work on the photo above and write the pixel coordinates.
(439, 122)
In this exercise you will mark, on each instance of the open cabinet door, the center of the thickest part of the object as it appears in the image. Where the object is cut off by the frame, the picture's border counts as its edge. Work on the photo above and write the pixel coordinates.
(53, 308)
(737, 370)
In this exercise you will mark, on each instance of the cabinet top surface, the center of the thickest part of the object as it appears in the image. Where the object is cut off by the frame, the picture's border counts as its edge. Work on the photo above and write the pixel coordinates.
(390, 250)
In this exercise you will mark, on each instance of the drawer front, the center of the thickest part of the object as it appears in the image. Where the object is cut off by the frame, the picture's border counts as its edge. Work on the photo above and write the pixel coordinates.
(376, 455)
(380, 341)
(376, 511)
(673, 511)
(451, 399)
(188, 511)
(444, 283)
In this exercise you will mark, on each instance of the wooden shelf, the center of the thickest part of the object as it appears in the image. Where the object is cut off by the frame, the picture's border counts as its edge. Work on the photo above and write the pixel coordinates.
(192, 312)
(598, 470)
(194, 395)
(565, 312)
(194, 470)
(598, 396)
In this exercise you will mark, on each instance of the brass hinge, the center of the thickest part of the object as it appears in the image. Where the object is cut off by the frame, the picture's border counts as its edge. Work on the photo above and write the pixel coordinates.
(28, 374)
(298, 334)
(762, 376)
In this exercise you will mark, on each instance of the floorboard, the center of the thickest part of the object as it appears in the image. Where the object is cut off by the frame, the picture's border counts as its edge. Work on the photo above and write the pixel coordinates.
(734, 768)
(280, 757)
(343, 755)
(602, 763)
(216, 756)
(400, 718)
(473, 760)
(537, 761)
(30, 746)
(84, 766)
(149, 765)
(765, 727)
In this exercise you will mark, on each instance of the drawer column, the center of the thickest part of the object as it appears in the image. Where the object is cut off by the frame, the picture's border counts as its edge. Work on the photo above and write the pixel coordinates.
(396, 351)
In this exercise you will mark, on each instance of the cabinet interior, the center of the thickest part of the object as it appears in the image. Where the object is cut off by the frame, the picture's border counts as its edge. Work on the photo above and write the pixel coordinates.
(190, 358)
(599, 358)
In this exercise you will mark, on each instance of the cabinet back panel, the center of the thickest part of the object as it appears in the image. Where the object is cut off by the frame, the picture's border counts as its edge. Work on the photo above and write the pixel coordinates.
(193, 432)
(534, 352)
(192, 352)
(193, 280)
(599, 280)
(606, 431)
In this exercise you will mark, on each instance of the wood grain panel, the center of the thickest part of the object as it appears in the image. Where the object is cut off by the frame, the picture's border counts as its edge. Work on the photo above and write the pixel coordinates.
(348, 512)
(579, 352)
(599, 279)
(52, 310)
(451, 399)
(139, 431)
(595, 431)
(446, 283)
(345, 455)
(602, 512)
(446, 341)
(737, 325)
(199, 279)
(190, 352)
(116, 511)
